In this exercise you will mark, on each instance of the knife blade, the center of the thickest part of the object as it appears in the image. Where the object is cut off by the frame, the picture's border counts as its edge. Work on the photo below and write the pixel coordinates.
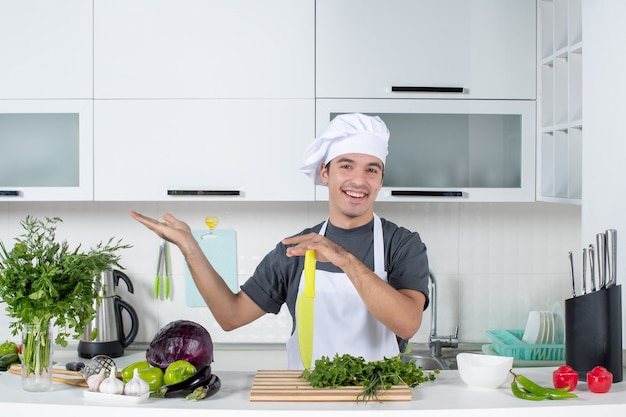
(571, 271)
(584, 274)
(611, 257)
(592, 269)
(305, 308)
(601, 255)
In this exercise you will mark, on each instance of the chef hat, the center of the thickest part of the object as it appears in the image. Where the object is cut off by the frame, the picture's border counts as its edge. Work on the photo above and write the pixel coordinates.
(346, 133)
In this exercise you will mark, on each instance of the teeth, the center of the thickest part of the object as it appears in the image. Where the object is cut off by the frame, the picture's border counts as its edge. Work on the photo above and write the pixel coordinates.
(356, 195)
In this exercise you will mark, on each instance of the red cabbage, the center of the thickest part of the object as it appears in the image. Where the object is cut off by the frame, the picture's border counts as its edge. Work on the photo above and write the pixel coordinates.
(181, 340)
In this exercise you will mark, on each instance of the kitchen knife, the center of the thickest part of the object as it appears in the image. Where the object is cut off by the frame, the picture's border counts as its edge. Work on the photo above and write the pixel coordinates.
(592, 269)
(571, 271)
(601, 256)
(611, 257)
(584, 274)
(304, 310)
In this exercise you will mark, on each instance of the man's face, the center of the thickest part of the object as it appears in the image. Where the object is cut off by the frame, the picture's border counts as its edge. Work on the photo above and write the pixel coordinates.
(353, 181)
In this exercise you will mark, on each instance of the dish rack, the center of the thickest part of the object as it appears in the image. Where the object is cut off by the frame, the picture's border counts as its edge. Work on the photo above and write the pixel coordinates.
(509, 343)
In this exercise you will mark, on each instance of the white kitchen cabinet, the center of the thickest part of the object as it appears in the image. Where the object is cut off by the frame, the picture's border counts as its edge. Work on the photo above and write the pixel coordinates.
(559, 101)
(204, 49)
(46, 49)
(450, 150)
(369, 48)
(202, 150)
(46, 150)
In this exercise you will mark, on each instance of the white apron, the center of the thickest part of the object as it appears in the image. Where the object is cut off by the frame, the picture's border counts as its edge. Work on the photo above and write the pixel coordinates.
(342, 323)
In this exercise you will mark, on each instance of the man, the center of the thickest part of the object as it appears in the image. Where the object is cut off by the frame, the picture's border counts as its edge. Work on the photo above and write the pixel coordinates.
(371, 279)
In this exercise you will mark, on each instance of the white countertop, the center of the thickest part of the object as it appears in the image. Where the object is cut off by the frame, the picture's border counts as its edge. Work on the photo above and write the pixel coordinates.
(448, 396)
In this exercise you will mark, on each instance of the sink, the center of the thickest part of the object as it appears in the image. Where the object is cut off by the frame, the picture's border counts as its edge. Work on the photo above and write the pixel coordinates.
(427, 362)
(446, 361)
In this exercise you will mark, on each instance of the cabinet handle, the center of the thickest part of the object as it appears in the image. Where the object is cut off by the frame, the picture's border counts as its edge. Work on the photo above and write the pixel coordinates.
(403, 193)
(10, 193)
(200, 193)
(408, 89)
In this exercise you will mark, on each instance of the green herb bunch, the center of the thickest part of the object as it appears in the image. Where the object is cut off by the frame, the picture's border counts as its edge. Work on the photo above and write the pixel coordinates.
(375, 376)
(44, 281)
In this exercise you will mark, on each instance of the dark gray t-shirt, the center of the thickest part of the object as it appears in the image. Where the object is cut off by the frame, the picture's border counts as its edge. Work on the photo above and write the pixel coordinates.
(275, 280)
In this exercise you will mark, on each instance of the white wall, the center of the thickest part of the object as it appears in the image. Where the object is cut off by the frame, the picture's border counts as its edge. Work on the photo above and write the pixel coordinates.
(494, 261)
(604, 140)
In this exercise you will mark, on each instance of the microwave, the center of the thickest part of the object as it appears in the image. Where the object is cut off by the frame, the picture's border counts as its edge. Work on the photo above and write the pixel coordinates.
(449, 150)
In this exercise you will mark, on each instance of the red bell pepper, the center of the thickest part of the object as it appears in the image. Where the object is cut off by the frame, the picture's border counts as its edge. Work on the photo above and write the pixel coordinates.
(565, 376)
(599, 380)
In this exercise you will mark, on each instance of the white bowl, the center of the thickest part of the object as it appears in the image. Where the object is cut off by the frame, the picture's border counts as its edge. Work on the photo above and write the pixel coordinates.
(483, 371)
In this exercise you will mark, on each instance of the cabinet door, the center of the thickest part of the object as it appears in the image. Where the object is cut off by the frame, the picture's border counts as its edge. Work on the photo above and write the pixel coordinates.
(450, 150)
(219, 150)
(46, 150)
(366, 47)
(204, 48)
(46, 49)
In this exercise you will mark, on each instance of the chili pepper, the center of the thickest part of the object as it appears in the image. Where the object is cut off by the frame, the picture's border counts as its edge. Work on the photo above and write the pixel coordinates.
(537, 390)
(599, 380)
(565, 376)
(525, 395)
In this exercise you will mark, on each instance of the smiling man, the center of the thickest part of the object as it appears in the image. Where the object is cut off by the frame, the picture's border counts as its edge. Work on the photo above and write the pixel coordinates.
(371, 276)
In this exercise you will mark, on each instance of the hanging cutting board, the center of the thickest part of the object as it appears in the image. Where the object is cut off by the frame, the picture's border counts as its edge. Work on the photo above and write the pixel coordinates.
(286, 386)
(220, 248)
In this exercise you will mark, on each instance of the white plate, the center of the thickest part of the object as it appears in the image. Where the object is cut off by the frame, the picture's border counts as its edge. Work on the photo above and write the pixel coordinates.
(533, 329)
(559, 323)
(115, 398)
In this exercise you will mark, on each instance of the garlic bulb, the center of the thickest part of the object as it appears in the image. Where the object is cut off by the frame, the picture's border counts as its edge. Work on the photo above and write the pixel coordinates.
(136, 386)
(94, 381)
(112, 385)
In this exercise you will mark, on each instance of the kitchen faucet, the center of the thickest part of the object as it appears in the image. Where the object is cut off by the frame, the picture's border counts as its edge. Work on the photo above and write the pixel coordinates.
(436, 342)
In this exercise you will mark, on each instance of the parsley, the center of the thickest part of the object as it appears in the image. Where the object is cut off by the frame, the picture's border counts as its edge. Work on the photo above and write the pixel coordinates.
(43, 280)
(375, 377)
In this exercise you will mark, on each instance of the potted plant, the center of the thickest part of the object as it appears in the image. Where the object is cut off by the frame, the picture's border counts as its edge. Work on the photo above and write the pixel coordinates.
(45, 284)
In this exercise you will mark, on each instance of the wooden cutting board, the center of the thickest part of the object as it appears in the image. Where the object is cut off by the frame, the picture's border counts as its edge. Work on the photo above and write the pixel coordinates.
(285, 386)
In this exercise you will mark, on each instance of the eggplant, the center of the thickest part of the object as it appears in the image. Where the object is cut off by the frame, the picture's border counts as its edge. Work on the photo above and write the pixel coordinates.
(207, 390)
(186, 387)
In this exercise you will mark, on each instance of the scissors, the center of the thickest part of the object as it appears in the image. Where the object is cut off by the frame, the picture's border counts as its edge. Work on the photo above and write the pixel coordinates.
(163, 271)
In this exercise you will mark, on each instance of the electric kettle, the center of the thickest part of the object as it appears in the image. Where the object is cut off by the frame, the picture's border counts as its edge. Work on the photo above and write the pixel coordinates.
(108, 326)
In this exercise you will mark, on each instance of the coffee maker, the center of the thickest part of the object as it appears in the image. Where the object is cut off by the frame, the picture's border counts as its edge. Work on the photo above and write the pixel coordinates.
(108, 326)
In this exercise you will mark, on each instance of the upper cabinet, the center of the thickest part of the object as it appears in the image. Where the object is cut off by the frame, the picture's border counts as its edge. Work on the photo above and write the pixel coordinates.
(46, 150)
(46, 49)
(206, 149)
(475, 49)
(203, 49)
(559, 101)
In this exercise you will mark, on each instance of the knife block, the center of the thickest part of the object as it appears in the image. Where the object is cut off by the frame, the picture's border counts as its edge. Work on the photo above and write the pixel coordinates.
(593, 332)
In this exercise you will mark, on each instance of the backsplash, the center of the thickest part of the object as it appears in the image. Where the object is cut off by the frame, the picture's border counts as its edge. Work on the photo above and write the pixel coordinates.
(493, 261)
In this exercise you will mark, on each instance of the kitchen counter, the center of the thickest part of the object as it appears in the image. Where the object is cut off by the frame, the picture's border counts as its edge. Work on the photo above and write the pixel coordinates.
(448, 396)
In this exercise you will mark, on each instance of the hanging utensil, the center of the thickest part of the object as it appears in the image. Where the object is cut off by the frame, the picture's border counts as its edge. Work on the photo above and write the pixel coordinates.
(305, 307)
(163, 272)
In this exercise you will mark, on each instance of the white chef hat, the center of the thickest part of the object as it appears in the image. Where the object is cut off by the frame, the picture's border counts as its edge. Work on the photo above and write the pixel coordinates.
(346, 133)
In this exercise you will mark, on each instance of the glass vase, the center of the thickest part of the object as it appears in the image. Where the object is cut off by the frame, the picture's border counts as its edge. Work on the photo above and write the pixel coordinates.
(37, 356)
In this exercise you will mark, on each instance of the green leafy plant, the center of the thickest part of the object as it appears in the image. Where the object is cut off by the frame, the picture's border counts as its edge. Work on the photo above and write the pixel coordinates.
(43, 281)
(374, 376)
